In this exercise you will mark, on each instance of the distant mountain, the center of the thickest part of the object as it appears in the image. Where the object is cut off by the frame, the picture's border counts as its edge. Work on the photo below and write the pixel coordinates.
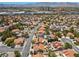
(39, 4)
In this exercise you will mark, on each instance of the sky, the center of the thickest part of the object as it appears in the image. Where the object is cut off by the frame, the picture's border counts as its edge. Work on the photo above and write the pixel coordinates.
(26, 0)
(17, 2)
(32, 1)
(39, 0)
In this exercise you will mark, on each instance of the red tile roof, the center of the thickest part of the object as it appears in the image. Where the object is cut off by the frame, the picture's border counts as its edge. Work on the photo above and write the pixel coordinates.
(18, 41)
(38, 55)
(2, 29)
(52, 35)
(69, 53)
(38, 46)
(57, 44)
(15, 30)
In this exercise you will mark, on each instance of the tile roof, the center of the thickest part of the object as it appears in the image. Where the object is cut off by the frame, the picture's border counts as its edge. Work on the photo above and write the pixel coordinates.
(41, 46)
(57, 44)
(15, 30)
(40, 40)
(70, 34)
(38, 55)
(41, 28)
(19, 41)
(69, 52)
(2, 29)
(52, 35)
(38, 46)
(41, 31)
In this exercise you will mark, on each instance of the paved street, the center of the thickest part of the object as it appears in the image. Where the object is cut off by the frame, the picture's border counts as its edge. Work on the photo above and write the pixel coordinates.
(71, 42)
(8, 49)
(27, 45)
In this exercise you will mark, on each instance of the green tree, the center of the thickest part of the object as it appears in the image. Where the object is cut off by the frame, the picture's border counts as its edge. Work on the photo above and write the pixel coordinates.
(6, 34)
(1, 21)
(67, 45)
(71, 30)
(33, 42)
(25, 34)
(51, 40)
(51, 54)
(76, 54)
(0, 33)
(58, 34)
(47, 30)
(72, 37)
(19, 26)
(77, 43)
(9, 41)
(76, 34)
(17, 53)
